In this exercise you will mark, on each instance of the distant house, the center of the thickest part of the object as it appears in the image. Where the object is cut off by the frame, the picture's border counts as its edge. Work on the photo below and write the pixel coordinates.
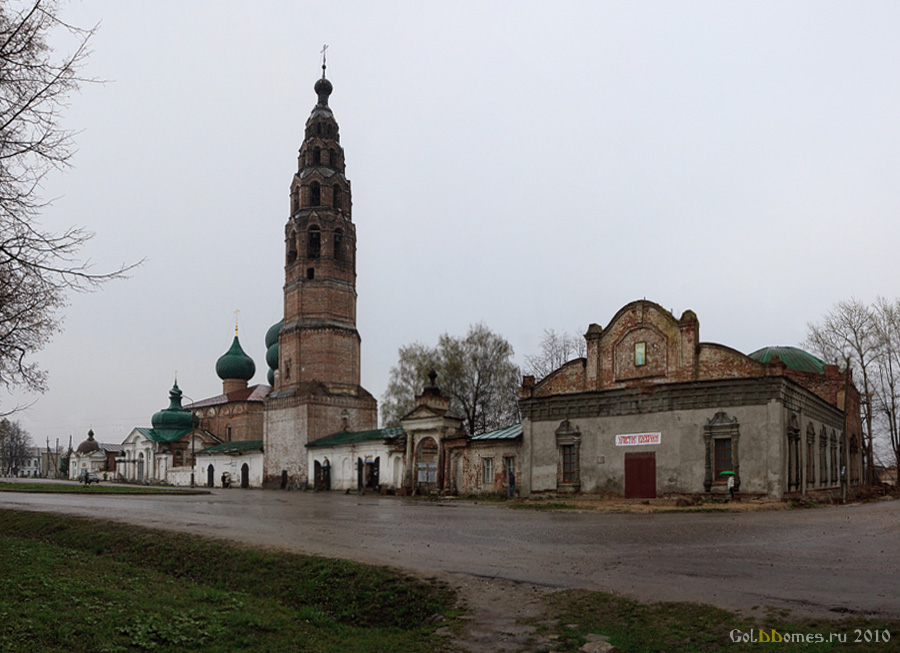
(30, 463)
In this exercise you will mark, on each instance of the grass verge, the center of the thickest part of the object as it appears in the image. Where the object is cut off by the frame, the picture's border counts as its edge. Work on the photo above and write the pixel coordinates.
(633, 627)
(74, 584)
(63, 488)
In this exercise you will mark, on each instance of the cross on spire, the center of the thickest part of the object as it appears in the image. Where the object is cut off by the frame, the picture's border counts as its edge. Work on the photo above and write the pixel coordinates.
(323, 51)
(236, 313)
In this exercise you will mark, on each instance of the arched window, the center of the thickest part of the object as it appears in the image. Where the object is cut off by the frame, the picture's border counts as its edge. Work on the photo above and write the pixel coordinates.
(295, 200)
(332, 157)
(315, 194)
(336, 196)
(317, 156)
(314, 242)
(292, 248)
(338, 245)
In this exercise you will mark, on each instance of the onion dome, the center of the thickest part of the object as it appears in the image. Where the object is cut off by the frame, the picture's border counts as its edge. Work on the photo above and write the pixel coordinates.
(173, 417)
(235, 364)
(272, 351)
(89, 446)
(792, 357)
(272, 334)
(323, 89)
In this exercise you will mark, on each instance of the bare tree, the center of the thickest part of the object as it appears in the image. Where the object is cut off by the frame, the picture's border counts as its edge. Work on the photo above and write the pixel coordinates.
(848, 332)
(886, 317)
(557, 349)
(14, 444)
(476, 372)
(38, 268)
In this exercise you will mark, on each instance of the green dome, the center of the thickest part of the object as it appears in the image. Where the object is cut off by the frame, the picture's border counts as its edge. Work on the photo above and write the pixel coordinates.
(272, 334)
(235, 364)
(173, 417)
(272, 356)
(795, 359)
(270, 377)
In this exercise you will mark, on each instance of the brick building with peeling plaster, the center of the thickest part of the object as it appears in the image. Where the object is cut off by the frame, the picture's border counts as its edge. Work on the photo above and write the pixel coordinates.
(651, 411)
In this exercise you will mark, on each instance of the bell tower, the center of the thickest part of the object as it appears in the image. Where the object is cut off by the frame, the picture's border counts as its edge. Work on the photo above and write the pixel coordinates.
(319, 341)
(317, 357)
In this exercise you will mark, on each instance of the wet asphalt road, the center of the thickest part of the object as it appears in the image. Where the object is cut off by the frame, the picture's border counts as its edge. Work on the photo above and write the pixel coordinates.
(816, 562)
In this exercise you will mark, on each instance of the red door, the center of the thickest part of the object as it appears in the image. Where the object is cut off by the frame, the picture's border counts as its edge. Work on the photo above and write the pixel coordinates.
(640, 475)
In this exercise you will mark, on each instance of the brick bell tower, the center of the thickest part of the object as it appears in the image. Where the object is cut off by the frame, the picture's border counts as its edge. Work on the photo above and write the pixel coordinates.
(317, 391)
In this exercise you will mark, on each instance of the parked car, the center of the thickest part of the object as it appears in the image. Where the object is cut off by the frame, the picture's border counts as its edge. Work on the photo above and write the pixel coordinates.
(87, 479)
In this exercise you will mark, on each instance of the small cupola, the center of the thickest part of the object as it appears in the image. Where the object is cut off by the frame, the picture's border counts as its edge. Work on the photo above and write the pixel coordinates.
(89, 446)
(173, 417)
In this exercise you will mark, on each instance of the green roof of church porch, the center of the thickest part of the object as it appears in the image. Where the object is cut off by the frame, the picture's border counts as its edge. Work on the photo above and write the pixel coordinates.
(234, 447)
(506, 433)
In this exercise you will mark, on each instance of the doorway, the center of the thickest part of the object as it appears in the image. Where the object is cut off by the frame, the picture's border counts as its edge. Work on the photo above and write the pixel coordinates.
(640, 475)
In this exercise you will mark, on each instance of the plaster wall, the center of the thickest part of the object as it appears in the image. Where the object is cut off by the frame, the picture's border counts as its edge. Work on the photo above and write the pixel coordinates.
(680, 455)
(343, 463)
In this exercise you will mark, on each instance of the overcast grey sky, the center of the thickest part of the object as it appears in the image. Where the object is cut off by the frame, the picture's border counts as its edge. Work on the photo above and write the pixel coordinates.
(524, 164)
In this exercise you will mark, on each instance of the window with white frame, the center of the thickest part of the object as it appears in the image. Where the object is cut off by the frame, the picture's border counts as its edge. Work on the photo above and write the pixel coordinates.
(487, 471)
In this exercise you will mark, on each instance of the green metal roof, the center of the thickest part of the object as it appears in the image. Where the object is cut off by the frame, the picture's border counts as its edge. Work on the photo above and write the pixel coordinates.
(352, 437)
(507, 433)
(237, 446)
(794, 358)
(163, 435)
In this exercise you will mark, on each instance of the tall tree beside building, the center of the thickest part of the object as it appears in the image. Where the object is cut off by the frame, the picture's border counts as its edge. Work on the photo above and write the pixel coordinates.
(14, 444)
(855, 333)
(476, 372)
(38, 268)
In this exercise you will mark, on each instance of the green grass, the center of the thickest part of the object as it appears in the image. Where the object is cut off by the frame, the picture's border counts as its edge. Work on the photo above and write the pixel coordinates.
(689, 627)
(78, 488)
(83, 585)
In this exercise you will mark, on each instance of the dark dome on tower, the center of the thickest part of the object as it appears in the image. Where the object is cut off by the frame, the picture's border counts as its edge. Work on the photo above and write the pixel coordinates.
(323, 89)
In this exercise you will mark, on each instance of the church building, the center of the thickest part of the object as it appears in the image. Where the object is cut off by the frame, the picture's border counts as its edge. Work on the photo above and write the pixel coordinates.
(651, 410)
(316, 374)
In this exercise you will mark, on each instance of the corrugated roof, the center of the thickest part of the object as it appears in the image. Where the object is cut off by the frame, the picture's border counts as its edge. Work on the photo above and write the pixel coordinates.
(237, 446)
(352, 437)
(507, 433)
